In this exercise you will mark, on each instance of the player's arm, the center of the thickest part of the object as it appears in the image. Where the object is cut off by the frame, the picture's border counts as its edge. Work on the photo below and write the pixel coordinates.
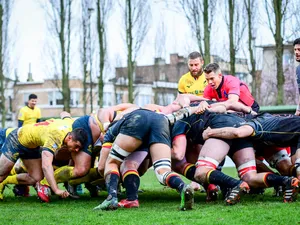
(21, 118)
(47, 159)
(228, 132)
(20, 123)
(179, 144)
(64, 115)
(297, 113)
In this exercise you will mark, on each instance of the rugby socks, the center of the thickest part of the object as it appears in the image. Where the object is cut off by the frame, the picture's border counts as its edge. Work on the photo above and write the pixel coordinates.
(189, 171)
(112, 181)
(11, 180)
(63, 174)
(131, 182)
(91, 176)
(218, 178)
(174, 181)
(272, 180)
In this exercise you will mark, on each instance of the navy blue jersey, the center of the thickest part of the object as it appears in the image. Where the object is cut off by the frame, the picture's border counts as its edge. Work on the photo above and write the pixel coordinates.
(276, 130)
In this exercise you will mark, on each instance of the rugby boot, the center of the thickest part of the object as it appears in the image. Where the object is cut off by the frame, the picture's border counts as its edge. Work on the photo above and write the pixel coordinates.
(43, 192)
(110, 203)
(21, 190)
(235, 194)
(187, 198)
(129, 204)
(212, 193)
(291, 190)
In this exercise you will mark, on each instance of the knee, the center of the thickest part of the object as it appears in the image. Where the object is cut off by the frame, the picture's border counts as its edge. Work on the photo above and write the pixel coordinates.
(80, 171)
(128, 165)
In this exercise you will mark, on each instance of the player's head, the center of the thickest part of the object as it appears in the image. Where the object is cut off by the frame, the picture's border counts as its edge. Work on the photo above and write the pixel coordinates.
(76, 139)
(32, 100)
(213, 75)
(296, 45)
(195, 63)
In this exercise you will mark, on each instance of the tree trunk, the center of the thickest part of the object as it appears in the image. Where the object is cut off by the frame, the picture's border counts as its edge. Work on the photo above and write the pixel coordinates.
(2, 77)
(130, 64)
(231, 36)
(102, 51)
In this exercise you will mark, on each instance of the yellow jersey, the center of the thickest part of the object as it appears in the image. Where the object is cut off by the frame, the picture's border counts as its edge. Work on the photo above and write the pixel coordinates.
(189, 85)
(28, 115)
(49, 134)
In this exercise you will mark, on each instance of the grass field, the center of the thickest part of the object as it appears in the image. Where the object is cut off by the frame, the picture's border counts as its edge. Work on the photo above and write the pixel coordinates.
(158, 205)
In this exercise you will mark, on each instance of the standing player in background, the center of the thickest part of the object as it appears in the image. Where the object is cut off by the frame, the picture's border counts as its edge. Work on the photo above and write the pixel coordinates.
(29, 114)
(193, 82)
(297, 57)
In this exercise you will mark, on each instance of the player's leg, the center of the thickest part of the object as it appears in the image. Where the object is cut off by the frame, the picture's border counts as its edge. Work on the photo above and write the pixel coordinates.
(161, 157)
(131, 178)
(245, 162)
(122, 147)
(212, 153)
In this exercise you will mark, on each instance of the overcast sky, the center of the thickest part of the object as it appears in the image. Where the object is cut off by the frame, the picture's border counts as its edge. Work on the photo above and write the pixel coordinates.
(30, 31)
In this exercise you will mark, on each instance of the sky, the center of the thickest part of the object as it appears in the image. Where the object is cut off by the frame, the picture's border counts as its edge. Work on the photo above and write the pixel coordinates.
(30, 30)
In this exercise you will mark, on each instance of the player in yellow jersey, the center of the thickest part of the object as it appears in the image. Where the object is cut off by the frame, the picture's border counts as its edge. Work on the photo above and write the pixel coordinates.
(30, 113)
(194, 81)
(25, 143)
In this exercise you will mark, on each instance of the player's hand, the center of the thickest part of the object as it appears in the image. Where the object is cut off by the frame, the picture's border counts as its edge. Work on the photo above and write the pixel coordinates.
(205, 133)
(62, 194)
(202, 107)
(297, 113)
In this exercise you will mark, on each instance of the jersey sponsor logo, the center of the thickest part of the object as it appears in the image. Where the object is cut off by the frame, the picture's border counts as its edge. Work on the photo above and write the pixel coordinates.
(225, 94)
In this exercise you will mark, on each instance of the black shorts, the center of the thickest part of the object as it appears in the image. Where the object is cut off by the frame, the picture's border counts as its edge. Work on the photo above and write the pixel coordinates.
(147, 126)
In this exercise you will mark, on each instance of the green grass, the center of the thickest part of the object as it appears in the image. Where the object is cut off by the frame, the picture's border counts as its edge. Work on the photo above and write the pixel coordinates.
(158, 205)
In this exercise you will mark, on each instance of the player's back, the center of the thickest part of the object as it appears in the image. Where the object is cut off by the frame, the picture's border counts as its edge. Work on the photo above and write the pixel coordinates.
(35, 135)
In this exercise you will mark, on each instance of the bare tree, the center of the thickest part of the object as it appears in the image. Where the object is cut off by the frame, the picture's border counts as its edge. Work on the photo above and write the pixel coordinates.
(5, 15)
(250, 6)
(200, 17)
(104, 8)
(137, 15)
(84, 43)
(236, 27)
(276, 11)
(59, 15)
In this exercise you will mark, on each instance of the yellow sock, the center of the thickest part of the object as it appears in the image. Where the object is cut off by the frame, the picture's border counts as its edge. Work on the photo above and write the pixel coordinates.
(91, 176)
(63, 174)
(44, 182)
(11, 180)
(13, 171)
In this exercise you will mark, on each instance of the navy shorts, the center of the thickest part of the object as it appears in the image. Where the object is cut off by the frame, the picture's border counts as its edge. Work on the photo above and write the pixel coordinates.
(147, 126)
(13, 149)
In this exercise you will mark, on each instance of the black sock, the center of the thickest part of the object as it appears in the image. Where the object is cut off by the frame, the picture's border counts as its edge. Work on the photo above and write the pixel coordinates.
(112, 181)
(176, 182)
(221, 179)
(273, 180)
(190, 173)
(131, 184)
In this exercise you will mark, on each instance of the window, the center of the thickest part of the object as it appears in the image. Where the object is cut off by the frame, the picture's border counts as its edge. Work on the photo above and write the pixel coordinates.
(107, 99)
(162, 75)
(75, 96)
(164, 98)
(119, 98)
(55, 98)
(142, 100)
(25, 98)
